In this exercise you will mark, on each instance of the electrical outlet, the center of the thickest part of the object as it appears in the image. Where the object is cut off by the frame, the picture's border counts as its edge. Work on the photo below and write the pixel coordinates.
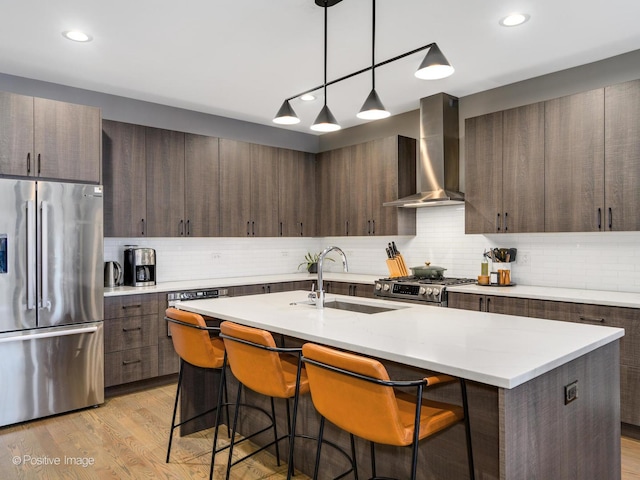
(523, 259)
(284, 254)
(215, 257)
(570, 392)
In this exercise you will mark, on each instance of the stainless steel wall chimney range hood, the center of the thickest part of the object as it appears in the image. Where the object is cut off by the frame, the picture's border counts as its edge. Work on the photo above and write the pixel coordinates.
(439, 166)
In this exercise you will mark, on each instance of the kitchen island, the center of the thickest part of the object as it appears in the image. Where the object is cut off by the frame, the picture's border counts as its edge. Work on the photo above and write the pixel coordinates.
(517, 370)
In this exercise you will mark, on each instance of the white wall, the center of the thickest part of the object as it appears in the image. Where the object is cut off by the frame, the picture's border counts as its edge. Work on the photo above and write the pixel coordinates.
(595, 261)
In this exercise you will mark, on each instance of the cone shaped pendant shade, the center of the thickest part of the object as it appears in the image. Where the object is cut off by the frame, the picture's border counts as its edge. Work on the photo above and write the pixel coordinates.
(373, 109)
(286, 115)
(434, 66)
(325, 121)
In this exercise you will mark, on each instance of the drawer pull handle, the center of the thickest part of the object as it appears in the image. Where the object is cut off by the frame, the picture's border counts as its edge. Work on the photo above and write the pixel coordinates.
(138, 305)
(131, 329)
(130, 362)
(592, 320)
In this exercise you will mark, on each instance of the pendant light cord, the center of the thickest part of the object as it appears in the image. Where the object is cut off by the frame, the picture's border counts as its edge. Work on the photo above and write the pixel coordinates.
(325, 52)
(373, 48)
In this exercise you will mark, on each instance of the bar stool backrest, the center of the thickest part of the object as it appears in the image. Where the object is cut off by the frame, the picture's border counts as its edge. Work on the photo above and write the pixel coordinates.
(364, 408)
(191, 340)
(254, 360)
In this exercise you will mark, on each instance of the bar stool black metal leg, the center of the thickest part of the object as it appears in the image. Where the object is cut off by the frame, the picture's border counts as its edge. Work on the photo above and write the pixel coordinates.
(354, 462)
(175, 409)
(292, 422)
(275, 431)
(467, 428)
(233, 430)
(373, 460)
(318, 450)
(416, 433)
(223, 383)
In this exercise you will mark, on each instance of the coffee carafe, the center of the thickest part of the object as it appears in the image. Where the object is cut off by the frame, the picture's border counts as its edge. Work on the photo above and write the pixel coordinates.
(139, 266)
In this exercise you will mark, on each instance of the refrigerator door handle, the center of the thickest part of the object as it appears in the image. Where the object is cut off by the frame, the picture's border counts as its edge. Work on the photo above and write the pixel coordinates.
(44, 246)
(59, 333)
(31, 255)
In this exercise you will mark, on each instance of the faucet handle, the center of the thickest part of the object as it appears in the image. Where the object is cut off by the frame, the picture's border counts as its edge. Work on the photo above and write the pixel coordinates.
(313, 287)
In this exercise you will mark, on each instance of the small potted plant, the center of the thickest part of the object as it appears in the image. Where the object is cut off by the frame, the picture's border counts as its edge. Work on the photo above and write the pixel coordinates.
(311, 262)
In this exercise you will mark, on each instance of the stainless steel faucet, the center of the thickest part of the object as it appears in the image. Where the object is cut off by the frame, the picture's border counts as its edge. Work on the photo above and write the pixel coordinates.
(319, 297)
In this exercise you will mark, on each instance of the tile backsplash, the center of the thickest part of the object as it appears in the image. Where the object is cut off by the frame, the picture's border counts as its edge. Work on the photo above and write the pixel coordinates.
(596, 261)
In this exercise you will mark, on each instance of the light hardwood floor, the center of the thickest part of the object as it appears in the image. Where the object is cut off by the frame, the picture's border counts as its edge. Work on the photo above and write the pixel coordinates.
(126, 438)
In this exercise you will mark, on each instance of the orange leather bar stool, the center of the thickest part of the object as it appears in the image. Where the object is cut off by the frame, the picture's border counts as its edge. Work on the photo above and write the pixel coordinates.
(194, 345)
(355, 393)
(258, 364)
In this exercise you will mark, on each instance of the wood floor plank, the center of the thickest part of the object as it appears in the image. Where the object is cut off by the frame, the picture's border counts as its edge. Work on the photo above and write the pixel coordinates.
(126, 438)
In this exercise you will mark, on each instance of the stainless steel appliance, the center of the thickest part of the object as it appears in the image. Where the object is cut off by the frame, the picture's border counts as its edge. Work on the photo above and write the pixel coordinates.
(139, 267)
(51, 298)
(112, 274)
(418, 290)
(174, 297)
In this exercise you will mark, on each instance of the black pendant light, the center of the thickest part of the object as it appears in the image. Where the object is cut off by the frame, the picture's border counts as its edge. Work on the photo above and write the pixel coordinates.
(325, 121)
(434, 66)
(373, 109)
(286, 115)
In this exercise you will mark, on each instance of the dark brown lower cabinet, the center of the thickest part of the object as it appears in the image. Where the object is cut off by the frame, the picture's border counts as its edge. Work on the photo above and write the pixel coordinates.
(620, 317)
(130, 339)
(363, 290)
(488, 303)
(137, 344)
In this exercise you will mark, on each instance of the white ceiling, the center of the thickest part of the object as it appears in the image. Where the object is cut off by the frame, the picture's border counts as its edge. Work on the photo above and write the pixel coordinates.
(242, 58)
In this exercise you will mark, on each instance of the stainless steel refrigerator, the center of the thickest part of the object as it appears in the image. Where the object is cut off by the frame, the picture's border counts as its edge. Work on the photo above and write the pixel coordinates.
(51, 298)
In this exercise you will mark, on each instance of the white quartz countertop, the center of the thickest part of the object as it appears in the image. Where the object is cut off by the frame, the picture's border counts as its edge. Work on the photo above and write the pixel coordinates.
(186, 285)
(500, 350)
(596, 297)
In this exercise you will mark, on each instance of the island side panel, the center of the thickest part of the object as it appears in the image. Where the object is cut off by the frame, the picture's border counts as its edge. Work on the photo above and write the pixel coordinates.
(542, 438)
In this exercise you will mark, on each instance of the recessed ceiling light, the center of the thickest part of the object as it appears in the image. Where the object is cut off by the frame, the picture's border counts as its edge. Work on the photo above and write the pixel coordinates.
(514, 19)
(307, 97)
(77, 36)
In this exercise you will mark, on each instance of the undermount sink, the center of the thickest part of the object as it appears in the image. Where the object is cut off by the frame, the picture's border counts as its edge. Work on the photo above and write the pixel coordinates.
(359, 307)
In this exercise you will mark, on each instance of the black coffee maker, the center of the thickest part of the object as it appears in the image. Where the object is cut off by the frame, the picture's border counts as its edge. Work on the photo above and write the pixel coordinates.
(139, 266)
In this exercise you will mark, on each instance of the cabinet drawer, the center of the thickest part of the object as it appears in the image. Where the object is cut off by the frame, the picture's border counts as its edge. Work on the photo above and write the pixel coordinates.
(130, 305)
(627, 318)
(131, 332)
(130, 365)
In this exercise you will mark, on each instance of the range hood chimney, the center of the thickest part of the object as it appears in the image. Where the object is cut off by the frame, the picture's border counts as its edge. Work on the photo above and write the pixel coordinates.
(439, 166)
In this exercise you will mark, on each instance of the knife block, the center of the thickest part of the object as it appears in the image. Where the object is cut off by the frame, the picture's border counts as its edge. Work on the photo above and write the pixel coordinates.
(395, 269)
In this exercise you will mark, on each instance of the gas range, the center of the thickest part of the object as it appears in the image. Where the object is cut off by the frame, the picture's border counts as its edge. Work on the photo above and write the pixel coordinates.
(418, 290)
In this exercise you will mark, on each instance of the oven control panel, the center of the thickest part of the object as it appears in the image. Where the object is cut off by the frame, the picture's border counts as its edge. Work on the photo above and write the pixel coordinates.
(411, 291)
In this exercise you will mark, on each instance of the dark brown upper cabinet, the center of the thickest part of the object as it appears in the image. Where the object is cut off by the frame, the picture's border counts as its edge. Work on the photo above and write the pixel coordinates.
(165, 183)
(125, 179)
(248, 189)
(49, 139)
(355, 181)
(332, 194)
(505, 171)
(297, 193)
(202, 178)
(574, 163)
(622, 156)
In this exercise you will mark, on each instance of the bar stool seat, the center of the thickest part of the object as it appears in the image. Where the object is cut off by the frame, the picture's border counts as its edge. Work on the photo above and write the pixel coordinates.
(356, 394)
